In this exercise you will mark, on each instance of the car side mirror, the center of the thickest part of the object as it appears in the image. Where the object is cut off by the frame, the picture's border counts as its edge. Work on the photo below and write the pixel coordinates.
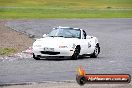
(45, 35)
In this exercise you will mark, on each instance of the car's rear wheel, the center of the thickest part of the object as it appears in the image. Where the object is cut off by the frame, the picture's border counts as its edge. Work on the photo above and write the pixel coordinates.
(75, 55)
(96, 52)
(35, 57)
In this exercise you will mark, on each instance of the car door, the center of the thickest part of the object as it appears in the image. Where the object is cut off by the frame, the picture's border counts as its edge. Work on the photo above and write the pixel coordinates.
(83, 43)
(86, 44)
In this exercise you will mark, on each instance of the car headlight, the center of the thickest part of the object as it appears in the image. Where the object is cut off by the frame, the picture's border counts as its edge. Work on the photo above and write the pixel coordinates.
(37, 46)
(63, 47)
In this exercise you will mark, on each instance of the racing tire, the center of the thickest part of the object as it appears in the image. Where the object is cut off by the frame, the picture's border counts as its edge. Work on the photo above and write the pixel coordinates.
(75, 55)
(96, 52)
(35, 57)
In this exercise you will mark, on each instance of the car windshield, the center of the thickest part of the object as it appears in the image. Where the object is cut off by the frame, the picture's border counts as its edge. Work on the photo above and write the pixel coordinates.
(65, 32)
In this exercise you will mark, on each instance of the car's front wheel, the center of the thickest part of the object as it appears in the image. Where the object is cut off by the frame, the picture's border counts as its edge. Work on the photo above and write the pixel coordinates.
(96, 52)
(35, 57)
(75, 55)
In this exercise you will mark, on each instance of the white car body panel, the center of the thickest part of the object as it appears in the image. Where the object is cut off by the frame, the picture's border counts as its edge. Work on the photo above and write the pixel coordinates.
(53, 44)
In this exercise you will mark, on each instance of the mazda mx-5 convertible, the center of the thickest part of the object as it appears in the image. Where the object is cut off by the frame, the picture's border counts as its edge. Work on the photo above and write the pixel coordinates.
(66, 42)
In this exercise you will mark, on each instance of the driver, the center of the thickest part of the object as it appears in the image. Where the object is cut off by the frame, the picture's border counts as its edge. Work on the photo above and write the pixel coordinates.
(84, 33)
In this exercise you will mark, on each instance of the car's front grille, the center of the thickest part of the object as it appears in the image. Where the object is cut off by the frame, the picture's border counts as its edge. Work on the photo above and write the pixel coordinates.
(50, 53)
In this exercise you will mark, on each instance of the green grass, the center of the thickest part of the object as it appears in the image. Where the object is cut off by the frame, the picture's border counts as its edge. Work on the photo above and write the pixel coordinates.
(23, 9)
(6, 51)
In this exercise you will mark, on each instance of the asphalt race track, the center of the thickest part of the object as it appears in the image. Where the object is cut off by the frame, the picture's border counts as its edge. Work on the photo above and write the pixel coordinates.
(115, 37)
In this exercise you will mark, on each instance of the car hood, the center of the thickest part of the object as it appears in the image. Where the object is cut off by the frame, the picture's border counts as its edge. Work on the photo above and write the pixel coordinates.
(55, 41)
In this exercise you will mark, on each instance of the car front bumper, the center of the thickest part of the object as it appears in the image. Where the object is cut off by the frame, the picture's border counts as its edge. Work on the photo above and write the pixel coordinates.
(62, 52)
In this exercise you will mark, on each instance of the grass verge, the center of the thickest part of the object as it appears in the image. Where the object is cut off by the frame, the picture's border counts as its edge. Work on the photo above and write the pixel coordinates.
(6, 51)
(28, 9)
(17, 13)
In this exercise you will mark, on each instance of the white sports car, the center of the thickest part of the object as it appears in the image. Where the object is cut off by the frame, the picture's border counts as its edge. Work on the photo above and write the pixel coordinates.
(66, 42)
